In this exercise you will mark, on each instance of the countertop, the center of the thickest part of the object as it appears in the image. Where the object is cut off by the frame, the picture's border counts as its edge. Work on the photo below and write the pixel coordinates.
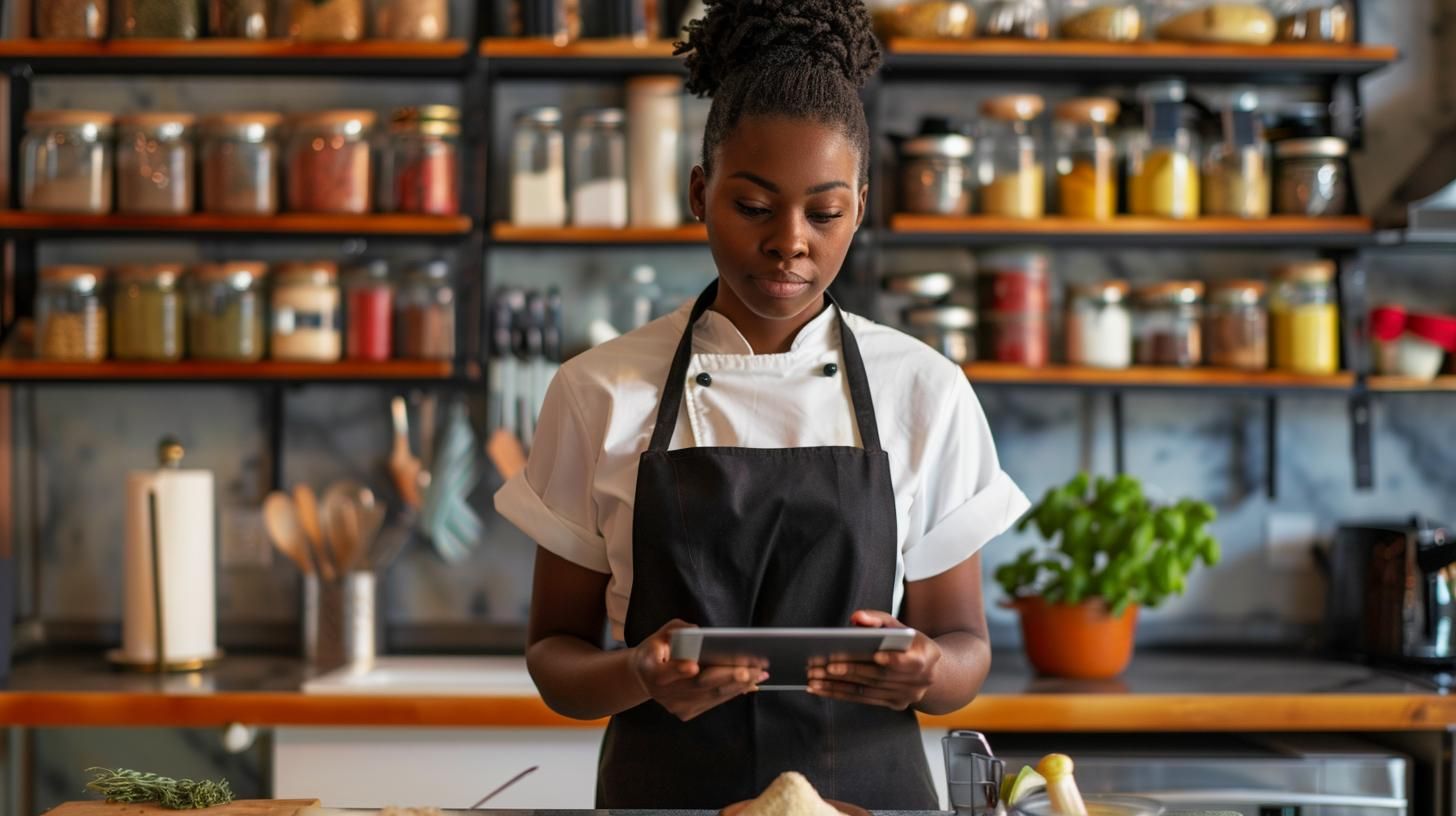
(1162, 691)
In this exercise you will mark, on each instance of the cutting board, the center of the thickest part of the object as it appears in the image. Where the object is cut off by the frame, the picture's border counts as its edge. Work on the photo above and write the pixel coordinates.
(242, 807)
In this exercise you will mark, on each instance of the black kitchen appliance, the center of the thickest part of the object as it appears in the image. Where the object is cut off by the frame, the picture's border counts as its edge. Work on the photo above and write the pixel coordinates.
(1392, 595)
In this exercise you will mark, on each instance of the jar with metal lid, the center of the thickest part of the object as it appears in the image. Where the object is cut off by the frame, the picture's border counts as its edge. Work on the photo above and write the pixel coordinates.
(369, 312)
(147, 313)
(326, 20)
(925, 19)
(240, 158)
(70, 314)
(1312, 177)
(1168, 324)
(1087, 158)
(1163, 163)
(66, 165)
(949, 328)
(936, 175)
(1240, 22)
(154, 164)
(226, 310)
(240, 19)
(1304, 311)
(1101, 20)
(1236, 177)
(426, 313)
(538, 169)
(560, 21)
(1009, 163)
(71, 19)
(158, 19)
(1238, 325)
(1013, 290)
(1099, 325)
(599, 169)
(1015, 19)
(1321, 21)
(422, 161)
(417, 20)
(306, 312)
(329, 161)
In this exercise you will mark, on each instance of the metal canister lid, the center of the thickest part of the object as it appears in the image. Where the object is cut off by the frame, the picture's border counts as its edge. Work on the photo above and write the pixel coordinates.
(345, 122)
(435, 271)
(1328, 147)
(1237, 293)
(75, 277)
(241, 275)
(939, 316)
(1307, 272)
(1171, 292)
(1166, 90)
(307, 273)
(369, 273)
(542, 115)
(431, 120)
(1094, 110)
(601, 117)
(163, 275)
(1104, 292)
(1014, 107)
(938, 145)
(920, 284)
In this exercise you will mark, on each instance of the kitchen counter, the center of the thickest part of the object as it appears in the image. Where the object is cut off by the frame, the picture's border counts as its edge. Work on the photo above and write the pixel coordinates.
(1162, 691)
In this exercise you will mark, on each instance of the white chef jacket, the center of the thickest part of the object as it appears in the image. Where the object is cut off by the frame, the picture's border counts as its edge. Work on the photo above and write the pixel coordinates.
(575, 496)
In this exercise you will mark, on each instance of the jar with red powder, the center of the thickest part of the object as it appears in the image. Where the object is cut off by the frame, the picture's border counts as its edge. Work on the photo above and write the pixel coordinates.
(329, 162)
(1014, 292)
(369, 312)
(421, 166)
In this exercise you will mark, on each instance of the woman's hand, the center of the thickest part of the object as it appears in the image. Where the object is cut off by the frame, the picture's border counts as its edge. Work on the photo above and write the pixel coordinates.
(896, 680)
(682, 686)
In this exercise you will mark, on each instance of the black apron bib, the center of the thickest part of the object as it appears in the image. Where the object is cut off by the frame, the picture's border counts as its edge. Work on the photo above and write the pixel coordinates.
(759, 537)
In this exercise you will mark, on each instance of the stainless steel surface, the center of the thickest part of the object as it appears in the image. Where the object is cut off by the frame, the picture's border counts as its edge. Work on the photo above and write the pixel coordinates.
(939, 185)
(340, 621)
(1392, 591)
(973, 773)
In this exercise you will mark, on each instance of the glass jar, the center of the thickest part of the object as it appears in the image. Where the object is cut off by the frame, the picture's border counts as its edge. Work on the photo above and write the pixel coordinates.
(70, 314)
(654, 146)
(1087, 159)
(420, 20)
(1238, 326)
(1099, 325)
(949, 328)
(329, 162)
(306, 312)
(71, 19)
(1239, 22)
(1009, 168)
(154, 164)
(1306, 318)
(369, 312)
(1101, 20)
(426, 313)
(225, 311)
(599, 169)
(326, 20)
(1013, 289)
(557, 20)
(1312, 177)
(538, 169)
(147, 313)
(1236, 177)
(240, 163)
(1163, 163)
(240, 19)
(67, 162)
(422, 161)
(1168, 324)
(1015, 19)
(936, 173)
(1322, 21)
(925, 19)
(158, 19)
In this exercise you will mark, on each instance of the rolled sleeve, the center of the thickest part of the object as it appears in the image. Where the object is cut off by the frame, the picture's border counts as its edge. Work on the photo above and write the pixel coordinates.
(966, 529)
(521, 506)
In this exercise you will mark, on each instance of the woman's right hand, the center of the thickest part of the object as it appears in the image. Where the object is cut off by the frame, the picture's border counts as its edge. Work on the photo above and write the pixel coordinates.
(682, 686)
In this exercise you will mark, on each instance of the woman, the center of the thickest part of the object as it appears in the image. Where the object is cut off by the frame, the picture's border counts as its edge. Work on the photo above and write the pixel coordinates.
(763, 459)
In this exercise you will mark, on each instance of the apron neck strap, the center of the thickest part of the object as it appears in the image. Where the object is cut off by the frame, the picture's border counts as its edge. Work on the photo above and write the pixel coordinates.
(672, 392)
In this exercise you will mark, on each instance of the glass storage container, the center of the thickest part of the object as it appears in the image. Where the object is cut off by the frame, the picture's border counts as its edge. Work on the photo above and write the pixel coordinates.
(538, 169)
(1013, 290)
(240, 158)
(1236, 177)
(418, 20)
(154, 164)
(148, 313)
(1009, 164)
(422, 161)
(1168, 324)
(1243, 22)
(1099, 325)
(70, 314)
(1238, 326)
(1304, 311)
(1322, 21)
(1015, 19)
(329, 162)
(949, 328)
(558, 20)
(426, 313)
(326, 20)
(599, 169)
(936, 173)
(306, 312)
(654, 151)
(1312, 177)
(1163, 162)
(226, 311)
(71, 19)
(158, 19)
(369, 312)
(1101, 20)
(1087, 172)
(66, 166)
(925, 19)
(240, 19)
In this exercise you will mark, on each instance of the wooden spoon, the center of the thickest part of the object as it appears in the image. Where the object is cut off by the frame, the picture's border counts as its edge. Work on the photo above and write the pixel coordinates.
(341, 518)
(281, 520)
(308, 516)
(403, 466)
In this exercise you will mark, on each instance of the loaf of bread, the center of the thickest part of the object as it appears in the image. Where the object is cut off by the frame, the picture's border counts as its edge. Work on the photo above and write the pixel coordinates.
(1238, 23)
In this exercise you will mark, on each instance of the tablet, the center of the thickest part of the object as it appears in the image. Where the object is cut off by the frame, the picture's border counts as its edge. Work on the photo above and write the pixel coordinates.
(786, 654)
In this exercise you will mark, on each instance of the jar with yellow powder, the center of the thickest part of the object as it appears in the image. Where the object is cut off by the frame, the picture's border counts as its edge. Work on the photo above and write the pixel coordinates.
(147, 312)
(1086, 158)
(1305, 315)
(1236, 178)
(70, 314)
(1163, 164)
(1010, 169)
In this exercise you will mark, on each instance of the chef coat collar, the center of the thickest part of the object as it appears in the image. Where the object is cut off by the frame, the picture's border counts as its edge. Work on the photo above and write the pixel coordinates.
(716, 334)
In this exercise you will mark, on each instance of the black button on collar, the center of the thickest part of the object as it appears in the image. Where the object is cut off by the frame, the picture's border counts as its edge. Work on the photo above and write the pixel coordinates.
(830, 369)
(705, 379)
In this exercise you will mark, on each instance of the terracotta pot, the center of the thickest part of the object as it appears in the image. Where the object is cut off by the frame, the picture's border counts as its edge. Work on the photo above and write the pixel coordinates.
(1082, 642)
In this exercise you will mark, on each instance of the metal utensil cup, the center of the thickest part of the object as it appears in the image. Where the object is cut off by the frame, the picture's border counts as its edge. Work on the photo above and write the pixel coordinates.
(340, 621)
(972, 773)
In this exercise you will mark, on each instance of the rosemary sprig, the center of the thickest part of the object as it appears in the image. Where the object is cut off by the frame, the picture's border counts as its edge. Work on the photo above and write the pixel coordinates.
(122, 785)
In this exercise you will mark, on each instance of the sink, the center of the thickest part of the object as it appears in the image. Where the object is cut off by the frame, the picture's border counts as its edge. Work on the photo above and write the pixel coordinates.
(424, 676)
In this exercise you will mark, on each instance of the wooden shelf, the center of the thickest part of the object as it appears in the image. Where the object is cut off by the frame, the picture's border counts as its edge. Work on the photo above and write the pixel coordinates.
(1413, 385)
(545, 49)
(377, 57)
(284, 224)
(505, 233)
(1124, 230)
(12, 370)
(1146, 377)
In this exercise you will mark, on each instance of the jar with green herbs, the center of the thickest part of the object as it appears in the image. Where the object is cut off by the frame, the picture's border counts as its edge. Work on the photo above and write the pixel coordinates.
(70, 314)
(159, 19)
(240, 19)
(154, 164)
(326, 20)
(147, 313)
(225, 311)
(71, 19)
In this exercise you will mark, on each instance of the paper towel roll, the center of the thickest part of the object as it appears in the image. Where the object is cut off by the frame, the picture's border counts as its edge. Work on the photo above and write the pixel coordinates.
(185, 541)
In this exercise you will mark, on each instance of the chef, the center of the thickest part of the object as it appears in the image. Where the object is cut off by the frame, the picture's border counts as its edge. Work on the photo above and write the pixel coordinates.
(763, 458)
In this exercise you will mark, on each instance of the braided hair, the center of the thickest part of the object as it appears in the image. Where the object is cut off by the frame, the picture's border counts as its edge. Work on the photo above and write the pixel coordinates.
(802, 59)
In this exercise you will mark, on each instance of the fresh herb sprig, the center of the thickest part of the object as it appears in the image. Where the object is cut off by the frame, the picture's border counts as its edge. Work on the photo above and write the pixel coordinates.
(123, 785)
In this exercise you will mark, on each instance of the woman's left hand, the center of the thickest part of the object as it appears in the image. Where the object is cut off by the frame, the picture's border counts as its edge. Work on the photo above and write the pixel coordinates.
(896, 680)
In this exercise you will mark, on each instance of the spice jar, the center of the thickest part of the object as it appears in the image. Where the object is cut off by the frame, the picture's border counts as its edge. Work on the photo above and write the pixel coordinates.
(225, 311)
(147, 312)
(599, 169)
(1322, 21)
(369, 312)
(1312, 177)
(948, 328)
(329, 162)
(1010, 168)
(926, 19)
(70, 314)
(1236, 171)
(1014, 292)
(1099, 325)
(1242, 22)
(67, 162)
(1087, 158)
(426, 312)
(1167, 324)
(158, 19)
(1015, 19)
(1306, 318)
(306, 312)
(422, 161)
(558, 20)
(1101, 20)
(240, 163)
(326, 20)
(423, 20)
(654, 139)
(240, 19)
(71, 19)
(1238, 326)
(538, 169)
(1163, 164)
(154, 164)
(936, 175)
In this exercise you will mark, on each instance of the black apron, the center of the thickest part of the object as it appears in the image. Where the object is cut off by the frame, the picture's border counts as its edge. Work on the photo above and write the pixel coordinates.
(762, 537)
